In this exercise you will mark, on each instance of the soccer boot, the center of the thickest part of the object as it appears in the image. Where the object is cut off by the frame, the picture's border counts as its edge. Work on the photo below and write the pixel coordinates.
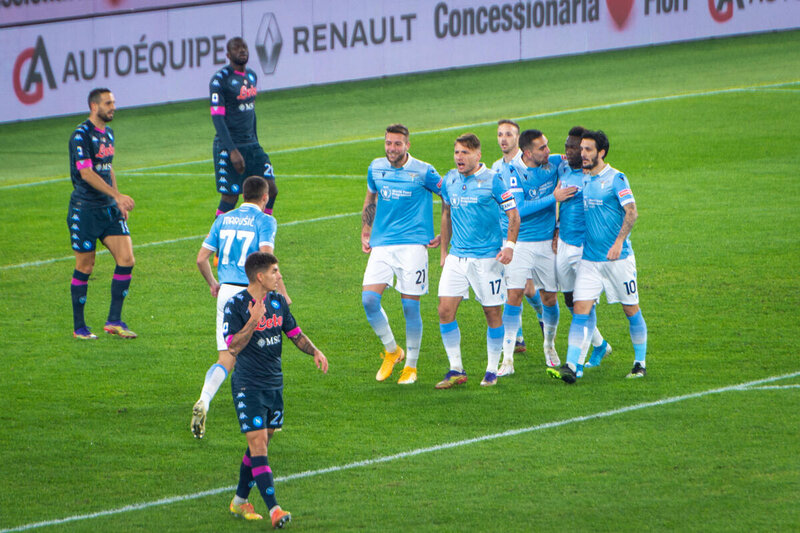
(489, 379)
(451, 379)
(408, 376)
(519, 345)
(598, 353)
(638, 371)
(551, 358)
(506, 369)
(84, 334)
(199, 419)
(564, 373)
(119, 328)
(245, 511)
(389, 360)
(279, 517)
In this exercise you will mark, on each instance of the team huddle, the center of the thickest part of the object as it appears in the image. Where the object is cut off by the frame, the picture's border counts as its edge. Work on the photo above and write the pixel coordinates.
(532, 225)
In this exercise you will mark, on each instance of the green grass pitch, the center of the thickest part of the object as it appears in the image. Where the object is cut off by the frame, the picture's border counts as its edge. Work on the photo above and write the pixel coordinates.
(708, 134)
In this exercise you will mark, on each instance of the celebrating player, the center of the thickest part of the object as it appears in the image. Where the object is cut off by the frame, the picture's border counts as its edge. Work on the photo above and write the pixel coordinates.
(237, 152)
(397, 228)
(254, 338)
(97, 210)
(471, 223)
(234, 236)
(608, 263)
(569, 236)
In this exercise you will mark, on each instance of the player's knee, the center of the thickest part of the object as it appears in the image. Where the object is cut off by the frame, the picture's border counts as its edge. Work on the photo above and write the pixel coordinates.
(568, 299)
(371, 301)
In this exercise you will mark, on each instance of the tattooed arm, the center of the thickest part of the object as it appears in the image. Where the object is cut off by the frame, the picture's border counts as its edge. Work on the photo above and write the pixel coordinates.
(627, 225)
(305, 345)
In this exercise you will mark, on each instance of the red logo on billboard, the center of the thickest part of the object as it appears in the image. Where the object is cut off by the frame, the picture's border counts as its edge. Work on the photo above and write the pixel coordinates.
(716, 14)
(31, 90)
(620, 11)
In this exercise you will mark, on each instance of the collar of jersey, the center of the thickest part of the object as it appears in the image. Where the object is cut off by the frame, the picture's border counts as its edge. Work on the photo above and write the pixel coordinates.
(408, 162)
(481, 169)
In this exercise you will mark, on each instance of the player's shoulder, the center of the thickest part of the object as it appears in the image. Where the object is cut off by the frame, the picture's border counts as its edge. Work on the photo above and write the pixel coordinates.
(251, 74)
(497, 166)
(221, 75)
(237, 300)
(81, 130)
(379, 163)
(277, 301)
(556, 159)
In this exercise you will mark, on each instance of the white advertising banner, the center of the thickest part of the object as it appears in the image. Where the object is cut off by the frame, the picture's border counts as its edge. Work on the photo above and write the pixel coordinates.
(170, 55)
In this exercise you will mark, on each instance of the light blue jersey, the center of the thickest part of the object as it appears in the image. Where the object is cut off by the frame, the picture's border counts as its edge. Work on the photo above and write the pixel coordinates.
(473, 202)
(500, 165)
(533, 191)
(237, 234)
(604, 196)
(571, 220)
(404, 212)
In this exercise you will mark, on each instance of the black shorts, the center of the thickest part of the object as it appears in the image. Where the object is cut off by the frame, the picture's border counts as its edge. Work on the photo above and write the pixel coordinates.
(256, 163)
(258, 409)
(87, 224)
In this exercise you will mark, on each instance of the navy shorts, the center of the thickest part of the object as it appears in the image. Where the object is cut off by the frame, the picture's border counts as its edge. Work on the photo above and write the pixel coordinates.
(87, 224)
(256, 163)
(258, 409)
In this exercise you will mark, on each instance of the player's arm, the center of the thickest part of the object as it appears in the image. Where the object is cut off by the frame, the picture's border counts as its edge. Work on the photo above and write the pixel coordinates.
(239, 340)
(446, 232)
(124, 202)
(221, 127)
(367, 219)
(205, 269)
(627, 225)
(507, 251)
(433, 182)
(305, 345)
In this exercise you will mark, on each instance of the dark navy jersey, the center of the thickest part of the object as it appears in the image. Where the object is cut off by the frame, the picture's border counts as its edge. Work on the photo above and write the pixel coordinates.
(258, 365)
(233, 96)
(91, 147)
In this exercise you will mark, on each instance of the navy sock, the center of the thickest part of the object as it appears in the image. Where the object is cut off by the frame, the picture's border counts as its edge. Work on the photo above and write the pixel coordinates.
(224, 207)
(78, 290)
(119, 290)
(262, 473)
(246, 481)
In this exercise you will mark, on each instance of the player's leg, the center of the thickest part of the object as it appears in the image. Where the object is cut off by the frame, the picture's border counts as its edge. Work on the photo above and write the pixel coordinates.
(264, 165)
(534, 299)
(240, 505)
(544, 277)
(620, 284)
(377, 276)
(638, 331)
(515, 279)
(453, 287)
(487, 281)
(410, 265)
(79, 288)
(118, 241)
(226, 178)
(494, 343)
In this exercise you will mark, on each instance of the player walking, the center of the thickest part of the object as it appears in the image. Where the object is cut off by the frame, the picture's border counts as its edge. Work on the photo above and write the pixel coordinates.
(97, 210)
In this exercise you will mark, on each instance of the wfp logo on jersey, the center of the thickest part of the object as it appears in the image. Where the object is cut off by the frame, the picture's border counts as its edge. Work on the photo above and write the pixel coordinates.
(386, 192)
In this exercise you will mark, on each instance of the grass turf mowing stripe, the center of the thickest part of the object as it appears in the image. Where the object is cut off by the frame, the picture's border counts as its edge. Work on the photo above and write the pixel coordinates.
(626, 103)
(748, 386)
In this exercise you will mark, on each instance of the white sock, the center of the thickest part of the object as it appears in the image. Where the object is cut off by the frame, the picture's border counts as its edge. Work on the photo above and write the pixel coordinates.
(214, 378)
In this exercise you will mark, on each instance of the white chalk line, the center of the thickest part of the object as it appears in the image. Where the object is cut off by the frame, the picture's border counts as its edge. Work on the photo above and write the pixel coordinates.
(624, 103)
(752, 385)
(210, 175)
(171, 241)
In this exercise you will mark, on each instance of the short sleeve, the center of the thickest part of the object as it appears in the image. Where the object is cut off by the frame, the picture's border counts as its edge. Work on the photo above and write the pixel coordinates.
(623, 189)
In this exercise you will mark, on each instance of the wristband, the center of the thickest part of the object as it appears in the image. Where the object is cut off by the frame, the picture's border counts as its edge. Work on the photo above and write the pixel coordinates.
(509, 244)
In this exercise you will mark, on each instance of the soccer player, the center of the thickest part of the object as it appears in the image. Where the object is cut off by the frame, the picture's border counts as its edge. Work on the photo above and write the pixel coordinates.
(471, 194)
(236, 151)
(233, 236)
(534, 187)
(508, 140)
(396, 230)
(254, 320)
(569, 236)
(608, 263)
(97, 210)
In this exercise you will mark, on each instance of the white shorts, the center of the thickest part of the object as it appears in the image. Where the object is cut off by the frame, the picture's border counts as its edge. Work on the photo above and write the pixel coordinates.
(567, 260)
(532, 260)
(485, 276)
(226, 292)
(617, 278)
(409, 262)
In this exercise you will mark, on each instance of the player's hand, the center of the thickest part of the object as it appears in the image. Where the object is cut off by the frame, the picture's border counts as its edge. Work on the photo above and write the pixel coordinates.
(256, 308)
(321, 361)
(125, 203)
(214, 290)
(435, 242)
(505, 255)
(365, 247)
(615, 251)
(564, 193)
(237, 160)
(443, 259)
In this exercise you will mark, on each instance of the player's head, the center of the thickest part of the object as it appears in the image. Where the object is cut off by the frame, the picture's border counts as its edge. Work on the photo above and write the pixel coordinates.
(572, 146)
(238, 53)
(396, 144)
(262, 268)
(255, 190)
(102, 104)
(467, 153)
(535, 150)
(507, 135)
(594, 149)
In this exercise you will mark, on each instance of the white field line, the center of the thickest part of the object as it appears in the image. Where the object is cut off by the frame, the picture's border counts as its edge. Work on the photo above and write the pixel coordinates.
(752, 385)
(281, 177)
(624, 103)
(773, 387)
(170, 241)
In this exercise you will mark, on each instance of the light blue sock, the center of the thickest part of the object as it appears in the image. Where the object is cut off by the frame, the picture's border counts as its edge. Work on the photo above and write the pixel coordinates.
(512, 319)
(214, 377)
(550, 316)
(413, 330)
(494, 347)
(638, 331)
(451, 338)
(577, 335)
(377, 318)
(535, 301)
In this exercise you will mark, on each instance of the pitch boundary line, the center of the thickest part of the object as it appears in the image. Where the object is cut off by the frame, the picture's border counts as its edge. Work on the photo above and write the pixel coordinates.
(169, 241)
(208, 174)
(624, 103)
(751, 385)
